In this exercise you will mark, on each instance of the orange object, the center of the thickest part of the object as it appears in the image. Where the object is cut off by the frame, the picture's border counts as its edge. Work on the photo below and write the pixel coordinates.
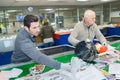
(103, 49)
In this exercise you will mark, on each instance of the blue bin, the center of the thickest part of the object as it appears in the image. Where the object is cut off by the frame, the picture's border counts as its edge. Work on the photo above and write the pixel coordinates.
(5, 57)
(62, 40)
(113, 31)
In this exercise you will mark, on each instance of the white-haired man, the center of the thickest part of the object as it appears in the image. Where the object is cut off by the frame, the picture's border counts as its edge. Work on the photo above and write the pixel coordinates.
(86, 30)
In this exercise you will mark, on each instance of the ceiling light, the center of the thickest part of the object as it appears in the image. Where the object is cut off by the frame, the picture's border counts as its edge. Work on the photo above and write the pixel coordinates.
(48, 9)
(55, 0)
(82, 0)
(105, 0)
(11, 10)
(22, 0)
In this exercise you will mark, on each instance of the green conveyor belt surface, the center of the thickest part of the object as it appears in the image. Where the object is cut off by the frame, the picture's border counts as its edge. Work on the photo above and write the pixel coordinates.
(26, 67)
(63, 58)
(116, 45)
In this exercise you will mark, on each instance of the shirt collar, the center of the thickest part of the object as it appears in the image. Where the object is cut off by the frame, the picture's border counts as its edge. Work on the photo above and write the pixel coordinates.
(86, 24)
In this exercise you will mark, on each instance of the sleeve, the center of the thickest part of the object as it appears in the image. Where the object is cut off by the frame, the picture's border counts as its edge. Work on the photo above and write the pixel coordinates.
(30, 50)
(99, 35)
(72, 38)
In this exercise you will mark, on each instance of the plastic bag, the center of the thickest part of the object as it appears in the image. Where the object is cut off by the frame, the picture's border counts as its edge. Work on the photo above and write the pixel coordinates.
(86, 51)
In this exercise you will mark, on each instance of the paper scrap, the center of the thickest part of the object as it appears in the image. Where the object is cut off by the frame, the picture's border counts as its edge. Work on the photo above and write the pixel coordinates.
(114, 68)
(15, 72)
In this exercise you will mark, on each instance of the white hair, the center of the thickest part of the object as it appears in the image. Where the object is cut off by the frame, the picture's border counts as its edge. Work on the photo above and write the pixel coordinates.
(88, 13)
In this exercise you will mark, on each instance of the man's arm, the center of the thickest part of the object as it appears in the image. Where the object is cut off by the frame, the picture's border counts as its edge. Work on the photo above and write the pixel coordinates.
(99, 35)
(72, 38)
(30, 50)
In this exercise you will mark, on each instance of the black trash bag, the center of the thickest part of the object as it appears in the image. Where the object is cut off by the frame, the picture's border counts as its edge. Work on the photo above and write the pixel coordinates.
(86, 51)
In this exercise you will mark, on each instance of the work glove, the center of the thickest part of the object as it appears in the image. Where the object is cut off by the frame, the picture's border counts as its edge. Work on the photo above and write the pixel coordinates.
(65, 66)
(105, 43)
(87, 40)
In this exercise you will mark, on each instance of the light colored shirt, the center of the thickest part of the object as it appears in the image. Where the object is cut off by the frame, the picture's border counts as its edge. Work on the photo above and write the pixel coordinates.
(81, 32)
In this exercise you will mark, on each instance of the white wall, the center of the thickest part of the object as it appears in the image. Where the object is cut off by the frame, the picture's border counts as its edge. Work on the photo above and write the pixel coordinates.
(115, 14)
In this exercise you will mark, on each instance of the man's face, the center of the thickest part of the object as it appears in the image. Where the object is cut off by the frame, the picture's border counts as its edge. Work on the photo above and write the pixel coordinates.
(90, 20)
(34, 29)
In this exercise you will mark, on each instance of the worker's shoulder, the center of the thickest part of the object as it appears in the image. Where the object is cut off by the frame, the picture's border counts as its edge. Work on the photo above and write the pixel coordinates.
(78, 24)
